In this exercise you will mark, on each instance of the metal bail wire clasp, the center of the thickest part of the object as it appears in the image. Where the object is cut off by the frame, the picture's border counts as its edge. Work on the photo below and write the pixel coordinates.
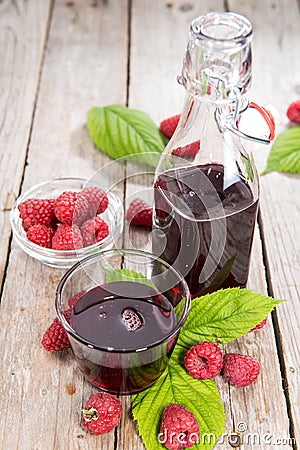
(231, 122)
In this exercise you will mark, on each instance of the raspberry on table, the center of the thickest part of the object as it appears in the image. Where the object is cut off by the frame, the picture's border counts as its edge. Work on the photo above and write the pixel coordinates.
(71, 208)
(41, 235)
(139, 213)
(240, 370)
(162, 207)
(56, 338)
(67, 237)
(168, 126)
(188, 151)
(94, 230)
(260, 325)
(96, 198)
(72, 301)
(36, 211)
(179, 427)
(102, 413)
(203, 360)
(293, 112)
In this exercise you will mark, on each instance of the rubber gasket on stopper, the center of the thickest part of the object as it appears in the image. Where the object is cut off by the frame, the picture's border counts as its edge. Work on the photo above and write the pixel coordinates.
(267, 116)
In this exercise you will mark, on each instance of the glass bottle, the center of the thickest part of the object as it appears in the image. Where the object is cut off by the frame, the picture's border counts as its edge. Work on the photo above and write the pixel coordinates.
(206, 185)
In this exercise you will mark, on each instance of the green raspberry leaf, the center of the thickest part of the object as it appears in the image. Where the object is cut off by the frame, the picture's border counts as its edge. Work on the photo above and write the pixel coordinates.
(221, 316)
(177, 386)
(120, 131)
(127, 275)
(224, 316)
(285, 152)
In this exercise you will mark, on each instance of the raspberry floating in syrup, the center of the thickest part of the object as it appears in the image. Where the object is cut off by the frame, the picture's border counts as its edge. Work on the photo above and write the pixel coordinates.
(131, 319)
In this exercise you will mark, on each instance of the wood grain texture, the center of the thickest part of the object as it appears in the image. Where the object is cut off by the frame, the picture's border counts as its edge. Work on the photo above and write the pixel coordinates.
(258, 410)
(44, 101)
(83, 50)
(159, 37)
(23, 30)
(241, 406)
(276, 81)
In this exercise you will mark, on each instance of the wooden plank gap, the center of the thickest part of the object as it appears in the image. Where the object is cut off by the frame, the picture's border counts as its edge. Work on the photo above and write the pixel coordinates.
(116, 438)
(284, 378)
(226, 6)
(232, 415)
(129, 19)
(277, 333)
(7, 258)
(129, 31)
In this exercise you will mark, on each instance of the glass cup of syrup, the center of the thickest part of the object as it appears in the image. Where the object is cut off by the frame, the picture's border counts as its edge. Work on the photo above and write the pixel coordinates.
(122, 311)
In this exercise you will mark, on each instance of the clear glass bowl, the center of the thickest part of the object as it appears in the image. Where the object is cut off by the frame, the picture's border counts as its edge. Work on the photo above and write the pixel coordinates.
(113, 215)
(126, 309)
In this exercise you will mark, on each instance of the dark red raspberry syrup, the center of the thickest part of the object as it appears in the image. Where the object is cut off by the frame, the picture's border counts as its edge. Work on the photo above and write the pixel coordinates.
(204, 220)
(126, 317)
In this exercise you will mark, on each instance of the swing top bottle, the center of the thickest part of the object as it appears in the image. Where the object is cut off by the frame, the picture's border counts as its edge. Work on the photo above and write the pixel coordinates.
(206, 184)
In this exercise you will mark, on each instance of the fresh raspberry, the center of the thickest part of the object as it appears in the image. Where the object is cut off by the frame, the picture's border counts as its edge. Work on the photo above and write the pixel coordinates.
(162, 207)
(139, 213)
(188, 151)
(96, 198)
(131, 319)
(72, 301)
(240, 370)
(94, 230)
(102, 413)
(203, 360)
(168, 126)
(70, 207)
(41, 235)
(36, 211)
(67, 237)
(179, 427)
(56, 338)
(260, 325)
(293, 111)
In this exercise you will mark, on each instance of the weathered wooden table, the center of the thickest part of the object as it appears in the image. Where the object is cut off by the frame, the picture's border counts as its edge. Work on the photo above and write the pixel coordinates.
(58, 59)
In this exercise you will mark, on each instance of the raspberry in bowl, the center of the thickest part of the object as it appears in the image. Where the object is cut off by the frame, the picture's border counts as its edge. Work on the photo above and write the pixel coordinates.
(61, 221)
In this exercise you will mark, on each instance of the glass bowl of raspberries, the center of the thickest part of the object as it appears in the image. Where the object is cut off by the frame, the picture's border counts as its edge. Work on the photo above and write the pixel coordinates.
(61, 221)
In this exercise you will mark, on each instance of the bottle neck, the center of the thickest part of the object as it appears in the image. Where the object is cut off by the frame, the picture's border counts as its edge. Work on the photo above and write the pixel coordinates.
(199, 128)
(218, 60)
(202, 119)
(217, 68)
(199, 142)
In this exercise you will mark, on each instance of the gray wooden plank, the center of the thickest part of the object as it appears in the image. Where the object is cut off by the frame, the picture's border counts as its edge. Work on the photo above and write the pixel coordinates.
(154, 66)
(259, 410)
(85, 65)
(275, 81)
(23, 30)
(164, 98)
(153, 85)
(73, 79)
